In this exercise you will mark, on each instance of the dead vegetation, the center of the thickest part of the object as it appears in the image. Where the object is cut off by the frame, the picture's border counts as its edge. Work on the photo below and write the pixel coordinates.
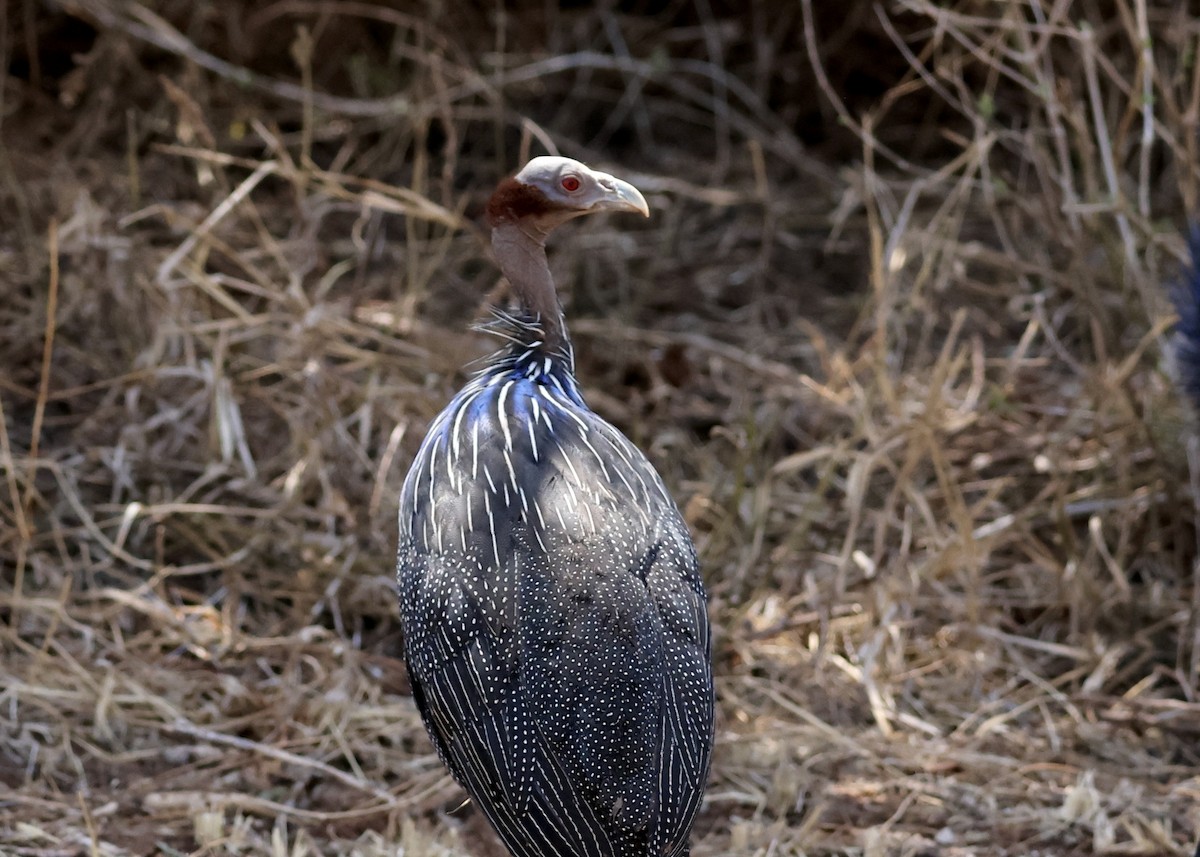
(895, 335)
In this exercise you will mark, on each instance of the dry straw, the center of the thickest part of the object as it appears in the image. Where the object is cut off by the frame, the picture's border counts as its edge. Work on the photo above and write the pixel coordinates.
(896, 336)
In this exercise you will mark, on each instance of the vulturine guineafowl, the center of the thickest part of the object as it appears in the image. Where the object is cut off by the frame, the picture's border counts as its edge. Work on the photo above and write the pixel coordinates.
(1185, 294)
(555, 621)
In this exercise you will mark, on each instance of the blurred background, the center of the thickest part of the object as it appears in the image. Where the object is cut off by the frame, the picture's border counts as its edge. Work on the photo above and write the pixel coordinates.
(897, 335)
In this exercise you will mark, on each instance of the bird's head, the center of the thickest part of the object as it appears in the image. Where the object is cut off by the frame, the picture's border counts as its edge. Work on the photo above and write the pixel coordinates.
(551, 190)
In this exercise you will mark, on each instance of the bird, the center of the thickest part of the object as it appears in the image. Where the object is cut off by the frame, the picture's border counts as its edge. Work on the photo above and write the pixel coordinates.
(554, 619)
(1185, 295)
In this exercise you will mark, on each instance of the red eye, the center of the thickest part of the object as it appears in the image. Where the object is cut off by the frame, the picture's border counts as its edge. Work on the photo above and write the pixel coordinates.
(570, 184)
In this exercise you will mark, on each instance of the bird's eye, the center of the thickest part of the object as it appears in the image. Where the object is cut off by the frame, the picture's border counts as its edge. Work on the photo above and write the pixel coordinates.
(570, 184)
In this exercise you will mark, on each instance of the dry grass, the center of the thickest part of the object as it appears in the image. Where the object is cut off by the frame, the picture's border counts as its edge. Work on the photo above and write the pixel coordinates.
(895, 335)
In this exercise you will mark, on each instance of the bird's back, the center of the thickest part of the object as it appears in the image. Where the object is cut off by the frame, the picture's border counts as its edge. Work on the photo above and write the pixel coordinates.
(555, 621)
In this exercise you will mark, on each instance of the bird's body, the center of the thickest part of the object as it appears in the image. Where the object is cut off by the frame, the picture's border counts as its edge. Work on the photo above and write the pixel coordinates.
(555, 621)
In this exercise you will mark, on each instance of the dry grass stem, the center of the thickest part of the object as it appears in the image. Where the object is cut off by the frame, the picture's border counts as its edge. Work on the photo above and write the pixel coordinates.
(896, 336)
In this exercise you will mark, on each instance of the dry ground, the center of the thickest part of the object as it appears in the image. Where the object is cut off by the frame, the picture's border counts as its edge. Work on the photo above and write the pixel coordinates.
(896, 335)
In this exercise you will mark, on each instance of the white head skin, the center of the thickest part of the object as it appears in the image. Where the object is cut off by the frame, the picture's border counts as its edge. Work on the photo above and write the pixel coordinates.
(574, 186)
(551, 190)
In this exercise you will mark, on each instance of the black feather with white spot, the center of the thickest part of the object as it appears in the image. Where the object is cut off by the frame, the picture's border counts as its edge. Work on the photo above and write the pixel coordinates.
(555, 621)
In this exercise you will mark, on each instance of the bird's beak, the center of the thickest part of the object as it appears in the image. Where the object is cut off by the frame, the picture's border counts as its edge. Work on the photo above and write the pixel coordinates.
(620, 196)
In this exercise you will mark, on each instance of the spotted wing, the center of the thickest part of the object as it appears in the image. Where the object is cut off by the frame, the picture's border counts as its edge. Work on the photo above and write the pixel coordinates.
(615, 640)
